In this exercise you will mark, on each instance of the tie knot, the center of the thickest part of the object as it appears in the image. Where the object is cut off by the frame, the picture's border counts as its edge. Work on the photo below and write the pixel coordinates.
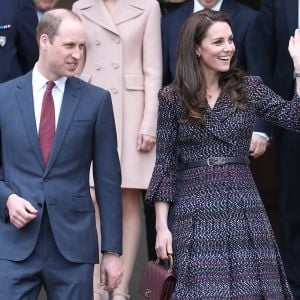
(50, 85)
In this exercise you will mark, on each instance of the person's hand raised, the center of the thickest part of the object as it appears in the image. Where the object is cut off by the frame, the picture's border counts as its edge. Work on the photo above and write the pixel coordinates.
(294, 49)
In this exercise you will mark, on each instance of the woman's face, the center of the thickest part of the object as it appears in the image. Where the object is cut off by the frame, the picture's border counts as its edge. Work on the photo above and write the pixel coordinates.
(217, 48)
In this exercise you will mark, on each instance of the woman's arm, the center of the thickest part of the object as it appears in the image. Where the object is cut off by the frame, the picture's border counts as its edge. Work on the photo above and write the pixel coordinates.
(163, 244)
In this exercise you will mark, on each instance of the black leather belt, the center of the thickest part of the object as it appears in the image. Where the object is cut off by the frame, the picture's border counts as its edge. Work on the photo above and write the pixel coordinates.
(217, 161)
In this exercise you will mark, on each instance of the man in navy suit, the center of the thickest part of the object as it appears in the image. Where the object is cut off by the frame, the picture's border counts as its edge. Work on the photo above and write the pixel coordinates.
(47, 229)
(276, 22)
(18, 45)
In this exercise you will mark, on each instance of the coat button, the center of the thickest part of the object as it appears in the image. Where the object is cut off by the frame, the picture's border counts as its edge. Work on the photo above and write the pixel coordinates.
(115, 65)
(117, 40)
(45, 179)
(114, 90)
(40, 204)
(98, 67)
(98, 42)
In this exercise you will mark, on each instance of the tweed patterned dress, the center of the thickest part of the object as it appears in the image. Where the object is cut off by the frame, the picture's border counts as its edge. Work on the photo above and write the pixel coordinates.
(223, 244)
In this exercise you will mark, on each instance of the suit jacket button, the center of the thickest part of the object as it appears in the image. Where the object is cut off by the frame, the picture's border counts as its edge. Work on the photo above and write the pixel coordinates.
(40, 204)
(45, 179)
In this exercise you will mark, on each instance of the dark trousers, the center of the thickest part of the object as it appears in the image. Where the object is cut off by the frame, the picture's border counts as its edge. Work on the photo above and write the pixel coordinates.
(46, 267)
(288, 172)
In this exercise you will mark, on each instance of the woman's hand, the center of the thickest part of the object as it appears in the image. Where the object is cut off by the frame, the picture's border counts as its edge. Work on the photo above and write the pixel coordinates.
(163, 245)
(294, 49)
(145, 142)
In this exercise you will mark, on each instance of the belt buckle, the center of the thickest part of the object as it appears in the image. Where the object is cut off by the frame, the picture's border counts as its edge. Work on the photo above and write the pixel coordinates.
(216, 161)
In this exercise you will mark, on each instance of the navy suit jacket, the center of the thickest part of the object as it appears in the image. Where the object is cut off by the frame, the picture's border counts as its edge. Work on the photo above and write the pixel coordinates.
(242, 21)
(85, 132)
(18, 44)
(276, 22)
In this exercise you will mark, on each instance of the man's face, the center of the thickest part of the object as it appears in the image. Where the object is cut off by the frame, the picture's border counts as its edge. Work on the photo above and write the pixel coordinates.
(208, 3)
(61, 57)
(45, 5)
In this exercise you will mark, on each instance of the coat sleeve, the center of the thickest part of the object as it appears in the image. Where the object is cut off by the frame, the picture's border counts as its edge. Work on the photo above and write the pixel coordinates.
(163, 182)
(152, 68)
(272, 107)
(27, 46)
(107, 177)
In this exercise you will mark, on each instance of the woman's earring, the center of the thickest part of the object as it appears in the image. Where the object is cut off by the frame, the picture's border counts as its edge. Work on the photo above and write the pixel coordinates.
(198, 55)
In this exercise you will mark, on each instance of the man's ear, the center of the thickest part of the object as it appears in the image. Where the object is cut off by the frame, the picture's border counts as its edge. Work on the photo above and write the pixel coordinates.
(44, 41)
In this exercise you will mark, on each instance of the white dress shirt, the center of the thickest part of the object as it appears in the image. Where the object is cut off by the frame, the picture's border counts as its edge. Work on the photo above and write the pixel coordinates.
(39, 83)
(198, 6)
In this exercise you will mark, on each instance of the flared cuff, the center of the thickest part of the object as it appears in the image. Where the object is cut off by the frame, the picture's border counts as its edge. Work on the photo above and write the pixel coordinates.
(162, 185)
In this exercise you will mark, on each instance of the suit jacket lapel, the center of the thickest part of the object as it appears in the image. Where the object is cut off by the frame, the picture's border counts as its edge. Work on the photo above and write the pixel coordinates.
(69, 104)
(229, 7)
(291, 7)
(98, 13)
(25, 100)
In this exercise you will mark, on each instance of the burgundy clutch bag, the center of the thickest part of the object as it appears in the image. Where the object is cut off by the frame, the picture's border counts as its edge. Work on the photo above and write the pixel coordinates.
(157, 282)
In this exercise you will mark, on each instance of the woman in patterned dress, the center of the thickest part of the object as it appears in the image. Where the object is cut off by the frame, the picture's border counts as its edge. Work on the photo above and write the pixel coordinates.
(208, 210)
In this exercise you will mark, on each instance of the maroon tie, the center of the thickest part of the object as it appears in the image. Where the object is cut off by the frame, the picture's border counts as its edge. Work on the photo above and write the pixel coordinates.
(47, 122)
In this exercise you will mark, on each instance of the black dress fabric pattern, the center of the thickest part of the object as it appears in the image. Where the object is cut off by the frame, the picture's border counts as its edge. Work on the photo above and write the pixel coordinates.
(223, 243)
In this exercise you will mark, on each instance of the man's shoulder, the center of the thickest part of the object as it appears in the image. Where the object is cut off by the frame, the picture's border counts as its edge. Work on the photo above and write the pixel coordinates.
(18, 81)
(178, 15)
(245, 10)
(76, 82)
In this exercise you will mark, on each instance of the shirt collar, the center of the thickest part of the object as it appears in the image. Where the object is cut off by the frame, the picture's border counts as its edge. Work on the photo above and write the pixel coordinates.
(198, 6)
(39, 81)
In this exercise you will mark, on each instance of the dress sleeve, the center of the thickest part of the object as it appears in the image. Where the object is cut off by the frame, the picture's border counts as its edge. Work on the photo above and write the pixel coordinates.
(163, 181)
(271, 107)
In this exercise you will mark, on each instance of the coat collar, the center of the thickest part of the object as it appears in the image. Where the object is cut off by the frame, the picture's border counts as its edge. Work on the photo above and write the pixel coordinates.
(97, 12)
(217, 119)
(70, 101)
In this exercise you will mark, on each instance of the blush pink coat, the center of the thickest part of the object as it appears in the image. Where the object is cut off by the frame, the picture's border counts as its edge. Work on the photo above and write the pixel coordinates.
(124, 56)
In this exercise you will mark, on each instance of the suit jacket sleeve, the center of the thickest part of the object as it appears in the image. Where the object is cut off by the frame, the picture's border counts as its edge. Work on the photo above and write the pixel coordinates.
(254, 66)
(107, 177)
(4, 190)
(265, 42)
(27, 46)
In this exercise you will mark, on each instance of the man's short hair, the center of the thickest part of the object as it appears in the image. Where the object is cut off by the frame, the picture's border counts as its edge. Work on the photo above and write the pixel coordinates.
(51, 20)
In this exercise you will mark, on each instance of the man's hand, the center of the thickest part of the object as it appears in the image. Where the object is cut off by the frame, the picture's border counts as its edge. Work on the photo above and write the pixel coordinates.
(111, 271)
(21, 212)
(145, 142)
(258, 145)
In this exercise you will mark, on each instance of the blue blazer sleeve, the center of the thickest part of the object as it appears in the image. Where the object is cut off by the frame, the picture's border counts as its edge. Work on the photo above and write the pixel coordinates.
(107, 177)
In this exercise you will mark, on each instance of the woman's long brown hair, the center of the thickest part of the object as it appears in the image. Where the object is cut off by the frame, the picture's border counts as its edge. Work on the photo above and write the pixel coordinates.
(189, 79)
